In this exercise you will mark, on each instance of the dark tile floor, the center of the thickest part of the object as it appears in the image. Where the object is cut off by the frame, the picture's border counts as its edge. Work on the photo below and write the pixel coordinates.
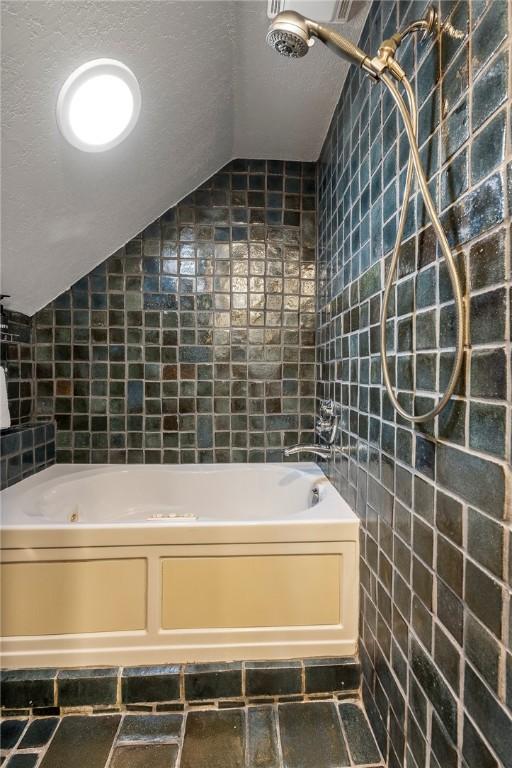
(323, 734)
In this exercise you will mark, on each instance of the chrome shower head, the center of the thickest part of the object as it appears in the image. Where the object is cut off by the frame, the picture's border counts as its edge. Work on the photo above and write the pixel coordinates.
(290, 35)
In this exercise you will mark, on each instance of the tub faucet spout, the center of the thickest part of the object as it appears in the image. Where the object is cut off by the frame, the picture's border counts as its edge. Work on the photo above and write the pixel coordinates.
(324, 453)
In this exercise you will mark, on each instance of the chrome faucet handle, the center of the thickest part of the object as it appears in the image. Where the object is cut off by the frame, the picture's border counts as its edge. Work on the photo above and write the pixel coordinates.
(327, 429)
(327, 421)
(327, 409)
(326, 425)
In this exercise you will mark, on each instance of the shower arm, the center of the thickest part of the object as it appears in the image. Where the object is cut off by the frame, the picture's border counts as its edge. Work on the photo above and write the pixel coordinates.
(385, 59)
(410, 124)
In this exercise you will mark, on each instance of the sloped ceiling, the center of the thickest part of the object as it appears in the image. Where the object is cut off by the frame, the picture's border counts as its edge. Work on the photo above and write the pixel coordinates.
(211, 89)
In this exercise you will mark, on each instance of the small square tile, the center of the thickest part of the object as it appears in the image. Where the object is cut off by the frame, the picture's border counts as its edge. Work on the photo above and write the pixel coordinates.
(493, 720)
(81, 687)
(262, 743)
(10, 732)
(326, 675)
(151, 728)
(474, 749)
(361, 742)
(210, 736)
(482, 650)
(485, 541)
(311, 736)
(23, 760)
(273, 678)
(484, 597)
(144, 755)
(28, 687)
(82, 740)
(487, 426)
(213, 681)
(39, 732)
(147, 684)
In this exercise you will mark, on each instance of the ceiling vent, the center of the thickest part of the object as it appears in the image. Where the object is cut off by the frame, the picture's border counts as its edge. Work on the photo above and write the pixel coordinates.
(319, 10)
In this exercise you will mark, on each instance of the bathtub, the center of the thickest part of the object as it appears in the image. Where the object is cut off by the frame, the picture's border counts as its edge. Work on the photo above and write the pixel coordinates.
(150, 564)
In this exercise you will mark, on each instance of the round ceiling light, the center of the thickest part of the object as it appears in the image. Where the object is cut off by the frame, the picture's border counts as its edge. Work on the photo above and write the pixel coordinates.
(98, 105)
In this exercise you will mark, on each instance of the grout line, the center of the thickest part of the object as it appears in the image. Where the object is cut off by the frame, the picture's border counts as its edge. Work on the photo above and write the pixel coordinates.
(114, 742)
(46, 746)
(277, 722)
(181, 742)
(344, 736)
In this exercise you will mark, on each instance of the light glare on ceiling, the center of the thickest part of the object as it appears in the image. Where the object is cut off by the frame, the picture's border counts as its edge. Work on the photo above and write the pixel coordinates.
(98, 105)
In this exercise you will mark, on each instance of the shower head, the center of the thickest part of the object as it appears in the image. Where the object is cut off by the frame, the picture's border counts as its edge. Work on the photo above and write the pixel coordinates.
(291, 34)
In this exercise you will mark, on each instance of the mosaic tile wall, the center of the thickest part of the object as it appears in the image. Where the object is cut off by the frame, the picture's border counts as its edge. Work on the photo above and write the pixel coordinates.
(436, 562)
(195, 342)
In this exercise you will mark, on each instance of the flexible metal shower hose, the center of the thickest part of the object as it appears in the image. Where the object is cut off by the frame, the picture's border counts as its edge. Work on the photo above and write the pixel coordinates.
(410, 120)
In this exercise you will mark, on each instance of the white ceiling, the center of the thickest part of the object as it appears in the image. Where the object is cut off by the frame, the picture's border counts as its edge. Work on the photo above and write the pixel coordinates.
(211, 89)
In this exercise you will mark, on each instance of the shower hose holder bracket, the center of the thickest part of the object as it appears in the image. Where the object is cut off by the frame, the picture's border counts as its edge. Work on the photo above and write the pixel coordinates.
(385, 59)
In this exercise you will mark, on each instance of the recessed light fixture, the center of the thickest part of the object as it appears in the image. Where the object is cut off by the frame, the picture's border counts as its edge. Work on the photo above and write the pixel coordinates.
(98, 105)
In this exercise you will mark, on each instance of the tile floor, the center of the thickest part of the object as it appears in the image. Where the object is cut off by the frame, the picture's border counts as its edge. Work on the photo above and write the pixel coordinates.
(323, 734)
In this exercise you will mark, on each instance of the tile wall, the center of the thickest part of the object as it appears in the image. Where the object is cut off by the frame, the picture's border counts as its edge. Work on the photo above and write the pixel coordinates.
(25, 450)
(17, 359)
(434, 501)
(196, 341)
(28, 446)
(172, 686)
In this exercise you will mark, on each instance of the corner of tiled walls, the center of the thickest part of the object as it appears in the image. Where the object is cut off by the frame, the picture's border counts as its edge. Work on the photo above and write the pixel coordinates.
(434, 502)
(196, 341)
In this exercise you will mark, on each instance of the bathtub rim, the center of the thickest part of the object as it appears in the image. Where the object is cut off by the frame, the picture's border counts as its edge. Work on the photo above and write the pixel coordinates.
(336, 521)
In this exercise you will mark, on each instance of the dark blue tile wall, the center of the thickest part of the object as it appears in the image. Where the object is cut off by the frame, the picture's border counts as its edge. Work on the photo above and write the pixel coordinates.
(28, 446)
(434, 501)
(16, 356)
(196, 341)
(25, 450)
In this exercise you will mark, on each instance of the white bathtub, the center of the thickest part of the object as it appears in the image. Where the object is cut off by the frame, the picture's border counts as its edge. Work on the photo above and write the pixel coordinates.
(150, 564)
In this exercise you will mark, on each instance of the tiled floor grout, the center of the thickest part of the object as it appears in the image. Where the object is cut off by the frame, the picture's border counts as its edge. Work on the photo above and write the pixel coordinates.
(181, 741)
(246, 739)
(179, 738)
(275, 715)
(113, 745)
(344, 735)
(46, 746)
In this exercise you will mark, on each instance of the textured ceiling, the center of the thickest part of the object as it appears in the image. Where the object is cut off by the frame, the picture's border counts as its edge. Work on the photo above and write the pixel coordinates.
(211, 90)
